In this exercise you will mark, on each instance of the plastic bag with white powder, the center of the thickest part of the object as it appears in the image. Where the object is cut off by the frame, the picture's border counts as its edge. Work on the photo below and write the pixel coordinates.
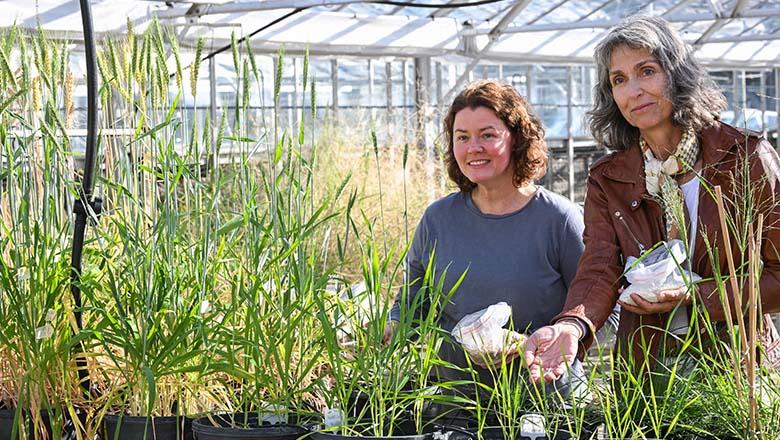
(659, 270)
(482, 336)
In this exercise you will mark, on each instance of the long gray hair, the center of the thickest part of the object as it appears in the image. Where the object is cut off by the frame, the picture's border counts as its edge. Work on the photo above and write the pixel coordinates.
(696, 99)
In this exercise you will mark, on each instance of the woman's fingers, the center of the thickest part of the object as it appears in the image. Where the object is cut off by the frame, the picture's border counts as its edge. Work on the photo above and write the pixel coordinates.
(666, 301)
(548, 351)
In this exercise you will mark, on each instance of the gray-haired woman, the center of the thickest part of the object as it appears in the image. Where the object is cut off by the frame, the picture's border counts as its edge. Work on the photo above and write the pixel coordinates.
(658, 109)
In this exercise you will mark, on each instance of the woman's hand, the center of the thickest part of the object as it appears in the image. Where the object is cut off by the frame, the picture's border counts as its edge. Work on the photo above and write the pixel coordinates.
(550, 349)
(667, 300)
(389, 330)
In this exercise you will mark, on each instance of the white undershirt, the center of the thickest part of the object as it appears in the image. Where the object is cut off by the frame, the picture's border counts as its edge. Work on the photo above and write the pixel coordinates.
(690, 189)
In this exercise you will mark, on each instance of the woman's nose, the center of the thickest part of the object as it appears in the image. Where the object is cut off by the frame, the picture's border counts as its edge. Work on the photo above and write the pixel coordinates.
(475, 144)
(635, 87)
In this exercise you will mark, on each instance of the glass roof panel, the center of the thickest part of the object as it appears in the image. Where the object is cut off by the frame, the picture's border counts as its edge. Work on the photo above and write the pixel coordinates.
(394, 30)
(482, 13)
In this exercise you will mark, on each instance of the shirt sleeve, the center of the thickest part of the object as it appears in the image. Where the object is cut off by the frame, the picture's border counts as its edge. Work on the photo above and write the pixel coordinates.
(414, 267)
(571, 245)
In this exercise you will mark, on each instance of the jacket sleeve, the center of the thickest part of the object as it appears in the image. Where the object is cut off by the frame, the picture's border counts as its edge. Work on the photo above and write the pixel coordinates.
(764, 190)
(593, 292)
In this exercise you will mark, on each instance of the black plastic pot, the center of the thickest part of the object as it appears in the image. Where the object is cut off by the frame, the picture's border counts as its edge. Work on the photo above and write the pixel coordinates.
(317, 435)
(244, 427)
(7, 423)
(497, 433)
(7, 417)
(121, 427)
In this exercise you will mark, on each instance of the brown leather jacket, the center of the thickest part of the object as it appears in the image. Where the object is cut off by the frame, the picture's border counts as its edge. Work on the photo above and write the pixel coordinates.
(616, 188)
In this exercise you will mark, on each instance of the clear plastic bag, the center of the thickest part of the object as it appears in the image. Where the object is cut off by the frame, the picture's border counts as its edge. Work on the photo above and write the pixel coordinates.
(661, 269)
(482, 336)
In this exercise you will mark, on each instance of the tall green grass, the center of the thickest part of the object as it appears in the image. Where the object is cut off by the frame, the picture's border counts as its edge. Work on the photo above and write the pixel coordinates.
(228, 288)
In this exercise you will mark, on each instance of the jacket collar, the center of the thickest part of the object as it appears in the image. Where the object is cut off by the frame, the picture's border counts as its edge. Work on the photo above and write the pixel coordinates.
(716, 140)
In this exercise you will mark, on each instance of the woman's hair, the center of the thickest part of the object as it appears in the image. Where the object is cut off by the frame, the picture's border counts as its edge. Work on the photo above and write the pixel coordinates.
(529, 151)
(696, 99)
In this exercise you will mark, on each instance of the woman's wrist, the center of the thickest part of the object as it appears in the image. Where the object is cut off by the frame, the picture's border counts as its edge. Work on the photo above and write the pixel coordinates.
(576, 324)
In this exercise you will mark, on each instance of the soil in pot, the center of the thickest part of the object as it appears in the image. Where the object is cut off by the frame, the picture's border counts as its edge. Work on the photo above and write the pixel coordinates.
(244, 427)
(122, 427)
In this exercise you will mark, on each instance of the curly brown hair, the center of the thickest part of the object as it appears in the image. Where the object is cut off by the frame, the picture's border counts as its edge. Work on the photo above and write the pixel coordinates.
(529, 152)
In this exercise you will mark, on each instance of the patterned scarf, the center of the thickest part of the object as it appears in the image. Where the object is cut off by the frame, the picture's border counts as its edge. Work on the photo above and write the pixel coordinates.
(659, 175)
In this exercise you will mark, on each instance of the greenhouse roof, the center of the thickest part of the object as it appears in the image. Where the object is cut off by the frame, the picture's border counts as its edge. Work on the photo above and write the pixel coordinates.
(728, 33)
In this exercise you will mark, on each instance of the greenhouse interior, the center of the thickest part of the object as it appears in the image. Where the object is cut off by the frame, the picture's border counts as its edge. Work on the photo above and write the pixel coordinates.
(269, 219)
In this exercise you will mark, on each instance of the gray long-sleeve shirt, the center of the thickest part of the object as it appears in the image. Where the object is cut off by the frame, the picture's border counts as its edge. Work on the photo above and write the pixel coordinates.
(526, 258)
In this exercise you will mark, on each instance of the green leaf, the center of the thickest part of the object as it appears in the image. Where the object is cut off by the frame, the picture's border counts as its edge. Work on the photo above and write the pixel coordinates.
(152, 388)
(5, 104)
(173, 108)
(230, 225)
(279, 150)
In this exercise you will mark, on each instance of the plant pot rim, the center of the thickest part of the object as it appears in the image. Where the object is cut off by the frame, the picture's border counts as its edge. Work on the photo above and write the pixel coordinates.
(204, 426)
(335, 436)
(156, 419)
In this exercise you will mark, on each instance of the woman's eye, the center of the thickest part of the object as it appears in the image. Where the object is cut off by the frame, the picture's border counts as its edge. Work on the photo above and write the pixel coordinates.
(488, 135)
(617, 80)
(461, 138)
(648, 71)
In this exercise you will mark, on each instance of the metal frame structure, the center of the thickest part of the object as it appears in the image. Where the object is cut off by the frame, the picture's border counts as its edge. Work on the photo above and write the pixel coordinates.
(733, 35)
(417, 28)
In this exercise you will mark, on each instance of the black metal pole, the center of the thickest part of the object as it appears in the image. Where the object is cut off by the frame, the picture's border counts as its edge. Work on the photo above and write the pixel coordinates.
(84, 197)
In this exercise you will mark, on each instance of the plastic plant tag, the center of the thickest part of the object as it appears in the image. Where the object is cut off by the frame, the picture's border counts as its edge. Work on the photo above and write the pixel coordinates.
(205, 307)
(532, 426)
(49, 315)
(272, 414)
(44, 332)
(334, 418)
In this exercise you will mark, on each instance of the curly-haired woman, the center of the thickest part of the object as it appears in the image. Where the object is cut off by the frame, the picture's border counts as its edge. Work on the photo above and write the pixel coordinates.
(515, 241)
(658, 109)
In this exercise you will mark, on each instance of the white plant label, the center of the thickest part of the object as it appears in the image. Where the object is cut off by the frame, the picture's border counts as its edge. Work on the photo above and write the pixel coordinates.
(334, 418)
(44, 332)
(532, 426)
(205, 307)
(273, 414)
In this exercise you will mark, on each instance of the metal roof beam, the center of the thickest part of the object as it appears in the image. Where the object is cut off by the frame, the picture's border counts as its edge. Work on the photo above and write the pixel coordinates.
(673, 10)
(597, 9)
(744, 38)
(443, 12)
(494, 35)
(718, 25)
(499, 12)
(251, 6)
(547, 12)
(716, 8)
(595, 24)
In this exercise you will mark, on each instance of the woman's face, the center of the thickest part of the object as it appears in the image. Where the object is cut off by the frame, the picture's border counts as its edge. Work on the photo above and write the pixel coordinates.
(639, 88)
(482, 145)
